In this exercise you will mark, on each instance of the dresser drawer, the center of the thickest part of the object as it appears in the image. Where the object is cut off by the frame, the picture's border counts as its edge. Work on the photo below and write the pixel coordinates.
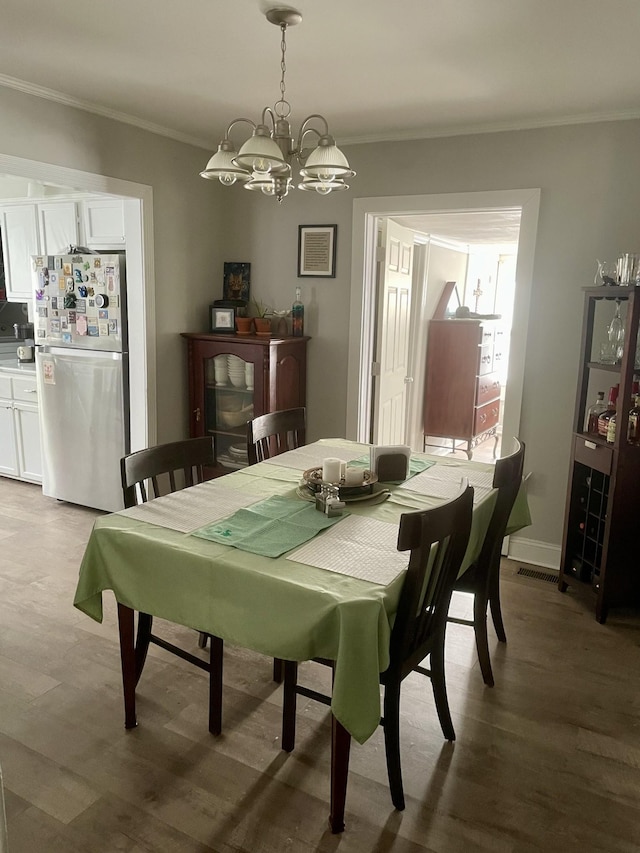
(593, 455)
(486, 417)
(486, 360)
(488, 389)
(5, 386)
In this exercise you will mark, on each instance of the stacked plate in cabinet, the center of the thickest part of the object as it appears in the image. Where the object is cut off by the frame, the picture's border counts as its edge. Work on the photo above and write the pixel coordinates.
(236, 370)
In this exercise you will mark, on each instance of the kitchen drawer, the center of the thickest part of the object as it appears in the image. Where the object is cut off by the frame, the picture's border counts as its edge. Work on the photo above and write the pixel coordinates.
(24, 388)
(488, 389)
(593, 455)
(486, 417)
(486, 335)
(486, 360)
(5, 386)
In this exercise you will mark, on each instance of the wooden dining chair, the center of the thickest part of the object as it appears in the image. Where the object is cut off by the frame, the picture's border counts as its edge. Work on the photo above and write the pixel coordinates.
(148, 474)
(267, 436)
(437, 539)
(274, 433)
(482, 578)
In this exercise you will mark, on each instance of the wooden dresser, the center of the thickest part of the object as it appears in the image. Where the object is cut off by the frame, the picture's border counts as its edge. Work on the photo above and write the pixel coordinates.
(462, 385)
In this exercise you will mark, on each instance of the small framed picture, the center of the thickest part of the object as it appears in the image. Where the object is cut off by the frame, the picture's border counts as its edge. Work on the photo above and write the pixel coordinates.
(222, 319)
(317, 251)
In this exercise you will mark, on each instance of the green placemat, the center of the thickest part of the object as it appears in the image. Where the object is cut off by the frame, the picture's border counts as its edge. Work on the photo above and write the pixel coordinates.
(416, 466)
(270, 527)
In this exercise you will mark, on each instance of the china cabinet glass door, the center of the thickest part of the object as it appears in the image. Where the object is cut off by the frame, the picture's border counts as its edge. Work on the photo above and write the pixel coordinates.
(229, 404)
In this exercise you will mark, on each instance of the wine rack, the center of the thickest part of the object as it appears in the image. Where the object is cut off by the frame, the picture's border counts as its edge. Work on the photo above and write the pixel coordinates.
(603, 499)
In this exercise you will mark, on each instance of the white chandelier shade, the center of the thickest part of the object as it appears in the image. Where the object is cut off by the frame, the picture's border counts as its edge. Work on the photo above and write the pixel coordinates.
(264, 160)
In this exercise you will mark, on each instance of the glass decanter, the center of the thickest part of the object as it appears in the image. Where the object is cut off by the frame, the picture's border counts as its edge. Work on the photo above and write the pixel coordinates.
(615, 334)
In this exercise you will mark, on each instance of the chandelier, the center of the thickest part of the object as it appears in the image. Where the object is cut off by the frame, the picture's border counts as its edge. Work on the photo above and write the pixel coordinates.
(264, 161)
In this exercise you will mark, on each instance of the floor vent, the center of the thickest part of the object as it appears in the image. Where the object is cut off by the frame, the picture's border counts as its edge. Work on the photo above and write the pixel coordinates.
(537, 575)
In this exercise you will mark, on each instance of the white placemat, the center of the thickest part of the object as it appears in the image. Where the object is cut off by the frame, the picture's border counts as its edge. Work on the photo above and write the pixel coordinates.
(311, 456)
(189, 509)
(444, 481)
(359, 547)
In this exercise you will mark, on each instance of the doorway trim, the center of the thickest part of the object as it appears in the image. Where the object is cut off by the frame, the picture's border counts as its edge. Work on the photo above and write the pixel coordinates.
(365, 212)
(138, 213)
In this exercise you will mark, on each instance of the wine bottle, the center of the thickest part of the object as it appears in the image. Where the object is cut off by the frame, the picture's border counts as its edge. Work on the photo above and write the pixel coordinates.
(297, 316)
(605, 417)
(593, 413)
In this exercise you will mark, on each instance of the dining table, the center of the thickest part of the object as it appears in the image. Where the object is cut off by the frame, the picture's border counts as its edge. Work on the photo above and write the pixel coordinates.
(246, 557)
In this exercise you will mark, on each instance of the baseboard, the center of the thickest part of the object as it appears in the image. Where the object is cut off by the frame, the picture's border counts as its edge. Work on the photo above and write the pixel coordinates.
(534, 552)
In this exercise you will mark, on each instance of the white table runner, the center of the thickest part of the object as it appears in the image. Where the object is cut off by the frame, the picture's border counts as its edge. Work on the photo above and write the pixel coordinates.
(359, 547)
(311, 456)
(443, 481)
(187, 510)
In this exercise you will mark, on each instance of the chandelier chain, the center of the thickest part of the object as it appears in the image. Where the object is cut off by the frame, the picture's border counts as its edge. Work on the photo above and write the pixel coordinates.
(283, 103)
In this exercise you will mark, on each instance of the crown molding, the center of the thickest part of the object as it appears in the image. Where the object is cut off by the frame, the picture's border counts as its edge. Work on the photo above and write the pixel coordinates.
(87, 106)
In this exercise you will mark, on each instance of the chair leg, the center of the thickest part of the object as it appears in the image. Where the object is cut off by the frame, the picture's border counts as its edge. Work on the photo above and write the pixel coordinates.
(215, 685)
(482, 640)
(496, 609)
(278, 670)
(392, 742)
(440, 690)
(202, 640)
(290, 671)
(143, 638)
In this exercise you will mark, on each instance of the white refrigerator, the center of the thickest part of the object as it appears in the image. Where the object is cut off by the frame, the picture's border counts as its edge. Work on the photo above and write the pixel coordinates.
(82, 373)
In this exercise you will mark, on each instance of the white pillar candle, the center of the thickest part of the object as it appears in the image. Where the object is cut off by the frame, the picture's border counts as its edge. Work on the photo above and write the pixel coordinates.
(331, 470)
(354, 477)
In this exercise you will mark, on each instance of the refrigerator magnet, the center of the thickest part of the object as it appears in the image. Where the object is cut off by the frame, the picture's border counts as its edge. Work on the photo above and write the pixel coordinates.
(53, 278)
(70, 300)
(102, 301)
(67, 338)
(81, 306)
(54, 302)
(91, 303)
(72, 316)
(64, 324)
(81, 325)
(41, 333)
(54, 326)
(97, 263)
(57, 262)
(82, 290)
(48, 372)
(66, 269)
(39, 294)
(93, 330)
(113, 327)
(42, 310)
(103, 314)
(86, 265)
(38, 261)
(103, 329)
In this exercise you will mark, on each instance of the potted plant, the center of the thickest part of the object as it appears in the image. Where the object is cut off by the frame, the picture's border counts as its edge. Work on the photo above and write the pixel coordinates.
(262, 319)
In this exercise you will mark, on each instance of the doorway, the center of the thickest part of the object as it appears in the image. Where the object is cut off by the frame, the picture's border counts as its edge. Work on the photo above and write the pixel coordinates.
(362, 363)
(138, 212)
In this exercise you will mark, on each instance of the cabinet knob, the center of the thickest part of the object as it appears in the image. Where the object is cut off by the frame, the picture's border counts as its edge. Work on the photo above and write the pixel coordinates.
(408, 380)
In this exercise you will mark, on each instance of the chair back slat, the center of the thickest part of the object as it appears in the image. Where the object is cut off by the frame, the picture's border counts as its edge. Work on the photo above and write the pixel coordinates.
(158, 466)
(274, 433)
(437, 539)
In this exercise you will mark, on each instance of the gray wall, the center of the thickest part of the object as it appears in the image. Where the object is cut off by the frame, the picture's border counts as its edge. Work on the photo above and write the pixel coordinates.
(187, 221)
(588, 176)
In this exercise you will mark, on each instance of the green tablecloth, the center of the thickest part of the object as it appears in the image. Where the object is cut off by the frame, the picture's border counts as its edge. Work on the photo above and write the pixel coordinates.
(278, 607)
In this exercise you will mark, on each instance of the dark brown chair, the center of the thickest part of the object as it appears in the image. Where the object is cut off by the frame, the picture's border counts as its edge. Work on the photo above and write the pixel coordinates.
(437, 539)
(482, 578)
(274, 433)
(268, 436)
(167, 468)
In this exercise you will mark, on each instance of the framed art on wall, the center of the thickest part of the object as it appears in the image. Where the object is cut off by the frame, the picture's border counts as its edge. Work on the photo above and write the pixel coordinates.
(237, 280)
(317, 251)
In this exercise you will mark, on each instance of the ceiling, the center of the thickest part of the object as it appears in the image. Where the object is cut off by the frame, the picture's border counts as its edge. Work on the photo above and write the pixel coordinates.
(376, 69)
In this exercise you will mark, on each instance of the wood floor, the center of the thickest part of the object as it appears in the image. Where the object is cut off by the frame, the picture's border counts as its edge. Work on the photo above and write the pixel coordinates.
(547, 760)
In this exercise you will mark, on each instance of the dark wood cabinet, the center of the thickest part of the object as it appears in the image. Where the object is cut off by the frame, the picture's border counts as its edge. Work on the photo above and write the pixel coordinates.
(234, 378)
(599, 548)
(462, 384)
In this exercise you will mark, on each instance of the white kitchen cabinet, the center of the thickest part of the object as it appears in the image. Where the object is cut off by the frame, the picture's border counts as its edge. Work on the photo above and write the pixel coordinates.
(20, 445)
(20, 240)
(58, 226)
(103, 223)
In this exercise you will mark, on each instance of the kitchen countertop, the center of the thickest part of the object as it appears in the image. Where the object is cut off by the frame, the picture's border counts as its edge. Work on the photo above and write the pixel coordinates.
(12, 363)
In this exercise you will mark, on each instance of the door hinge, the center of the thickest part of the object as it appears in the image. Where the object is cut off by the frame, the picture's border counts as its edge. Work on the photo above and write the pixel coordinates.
(375, 368)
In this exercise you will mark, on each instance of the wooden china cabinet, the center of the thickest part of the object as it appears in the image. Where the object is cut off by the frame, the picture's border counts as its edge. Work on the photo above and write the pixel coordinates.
(600, 541)
(234, 378)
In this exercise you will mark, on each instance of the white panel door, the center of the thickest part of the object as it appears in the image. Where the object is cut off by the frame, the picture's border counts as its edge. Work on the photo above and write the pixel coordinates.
(392, 340)
(19, 242)
(28, 442)
(58, 227)
(8, 451)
